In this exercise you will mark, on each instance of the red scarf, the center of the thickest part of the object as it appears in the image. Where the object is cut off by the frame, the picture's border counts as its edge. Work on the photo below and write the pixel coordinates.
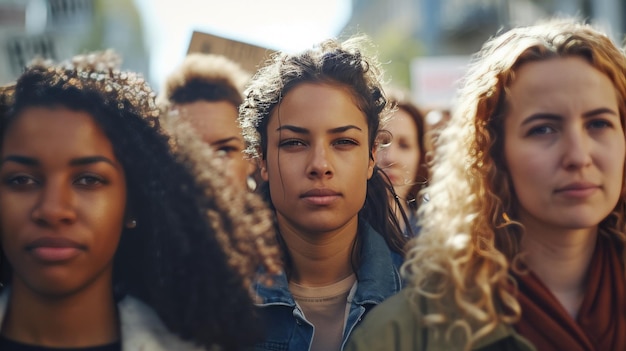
(601, 321)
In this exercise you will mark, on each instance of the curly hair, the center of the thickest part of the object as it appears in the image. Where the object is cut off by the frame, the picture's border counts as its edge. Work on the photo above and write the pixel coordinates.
(205, 77)
(469, 237)
(198, 242)
(341, 64)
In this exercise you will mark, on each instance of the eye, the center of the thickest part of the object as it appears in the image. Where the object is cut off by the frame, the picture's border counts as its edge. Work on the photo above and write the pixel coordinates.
(21, 181)
(345, 142)
(226, 150)
(599, 124)
(404, 145)
(541, 130)
(90, 180)
(291, 143)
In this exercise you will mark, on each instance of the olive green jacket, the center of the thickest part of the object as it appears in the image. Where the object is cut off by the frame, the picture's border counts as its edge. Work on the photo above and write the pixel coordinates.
(395, 326)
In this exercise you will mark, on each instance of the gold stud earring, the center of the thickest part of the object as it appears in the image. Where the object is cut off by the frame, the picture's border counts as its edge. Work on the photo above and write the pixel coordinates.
(131, 224)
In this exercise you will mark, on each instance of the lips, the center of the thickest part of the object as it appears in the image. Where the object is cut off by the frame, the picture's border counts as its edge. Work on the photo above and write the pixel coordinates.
(578, 189)
(577, 186)
(320, 197)
(54, 249)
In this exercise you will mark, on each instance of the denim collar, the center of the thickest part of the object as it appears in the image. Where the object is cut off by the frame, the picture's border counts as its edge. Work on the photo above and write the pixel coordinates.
(378, 276)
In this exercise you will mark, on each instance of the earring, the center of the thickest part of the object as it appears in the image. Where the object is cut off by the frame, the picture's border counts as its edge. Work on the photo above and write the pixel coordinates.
(506, 218)
(251, 183)
(131, 224)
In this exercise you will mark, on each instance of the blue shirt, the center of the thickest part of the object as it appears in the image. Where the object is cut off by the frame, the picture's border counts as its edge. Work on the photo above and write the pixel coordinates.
(377, 279)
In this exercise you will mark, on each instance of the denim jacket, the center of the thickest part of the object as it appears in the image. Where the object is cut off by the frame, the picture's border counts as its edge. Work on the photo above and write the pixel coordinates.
(285, 325)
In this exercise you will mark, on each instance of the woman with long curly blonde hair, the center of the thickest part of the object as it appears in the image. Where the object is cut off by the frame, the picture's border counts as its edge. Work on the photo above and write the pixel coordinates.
(522, 242)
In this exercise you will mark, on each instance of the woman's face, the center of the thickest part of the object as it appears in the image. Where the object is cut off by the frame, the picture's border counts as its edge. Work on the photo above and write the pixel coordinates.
(564, 144)
(318, 159)
(216, 123)
(400, 160)
(62, 202)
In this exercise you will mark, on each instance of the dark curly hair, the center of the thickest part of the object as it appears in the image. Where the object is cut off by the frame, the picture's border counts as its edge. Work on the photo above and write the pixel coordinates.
(198, 242)
(337, 63)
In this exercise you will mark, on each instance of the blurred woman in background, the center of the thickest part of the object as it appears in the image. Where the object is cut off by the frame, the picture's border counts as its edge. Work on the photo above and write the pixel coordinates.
(403, 158)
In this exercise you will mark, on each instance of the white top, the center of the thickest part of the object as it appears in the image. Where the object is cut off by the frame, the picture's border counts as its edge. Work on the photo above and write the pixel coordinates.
(327, 308)
(141, 328)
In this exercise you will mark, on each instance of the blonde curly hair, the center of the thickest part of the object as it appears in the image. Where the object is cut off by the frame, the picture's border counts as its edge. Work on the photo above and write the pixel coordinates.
(469, 240)
(205, 77)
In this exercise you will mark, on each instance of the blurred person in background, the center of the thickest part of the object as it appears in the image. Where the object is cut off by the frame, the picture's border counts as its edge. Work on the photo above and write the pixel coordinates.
(206, 91)
(114, 234)
(312, 120)
(403, 158)
(522, 243)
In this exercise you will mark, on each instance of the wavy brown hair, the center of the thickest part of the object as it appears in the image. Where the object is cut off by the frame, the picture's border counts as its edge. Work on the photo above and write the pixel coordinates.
(341, 64)
(469, 239)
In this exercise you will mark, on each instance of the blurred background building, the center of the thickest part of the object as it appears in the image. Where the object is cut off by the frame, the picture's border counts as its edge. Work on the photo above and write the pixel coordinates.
(425, 44)
(58, 29)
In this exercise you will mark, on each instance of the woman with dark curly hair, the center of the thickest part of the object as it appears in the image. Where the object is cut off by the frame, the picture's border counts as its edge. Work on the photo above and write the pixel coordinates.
(522, 243)
(312, 121)
(115, 235)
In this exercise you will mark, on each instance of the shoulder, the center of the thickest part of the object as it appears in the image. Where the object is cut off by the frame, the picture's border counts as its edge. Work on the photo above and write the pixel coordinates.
(142, 329)
(393, 325)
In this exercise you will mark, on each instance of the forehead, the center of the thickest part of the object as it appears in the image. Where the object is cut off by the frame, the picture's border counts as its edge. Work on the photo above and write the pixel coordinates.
(212, 120)
(401, 122)
(318, 105)
(55, 132)
(559, 82)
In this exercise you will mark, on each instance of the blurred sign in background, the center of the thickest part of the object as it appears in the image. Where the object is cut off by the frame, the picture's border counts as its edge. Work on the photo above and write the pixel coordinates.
(250, 57)
(415, 38)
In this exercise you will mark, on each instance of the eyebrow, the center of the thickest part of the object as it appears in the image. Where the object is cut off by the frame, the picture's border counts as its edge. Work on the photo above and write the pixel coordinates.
(301, 130)
(556, 117)
(81, 161)
(225, 140)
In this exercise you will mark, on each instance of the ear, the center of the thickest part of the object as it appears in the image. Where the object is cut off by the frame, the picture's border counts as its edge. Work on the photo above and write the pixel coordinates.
(372, 163)
(263, 170)
(130, 219)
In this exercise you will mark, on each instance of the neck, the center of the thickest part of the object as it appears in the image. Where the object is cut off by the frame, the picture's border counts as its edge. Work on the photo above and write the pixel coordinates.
(320, 258)
(81, 319)
(561, 260)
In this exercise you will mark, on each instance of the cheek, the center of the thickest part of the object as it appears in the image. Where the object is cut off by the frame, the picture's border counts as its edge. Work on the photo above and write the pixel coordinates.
(412, 160)
(14, 213)
(107, 234)
(104, 214)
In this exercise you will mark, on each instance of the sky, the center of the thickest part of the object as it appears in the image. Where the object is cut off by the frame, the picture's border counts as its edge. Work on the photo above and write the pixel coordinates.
(287, 25)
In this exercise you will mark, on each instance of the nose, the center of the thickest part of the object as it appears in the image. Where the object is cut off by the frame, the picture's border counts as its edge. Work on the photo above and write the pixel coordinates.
(54, 206)
(319, 164)
(577, 149)
(386, 156)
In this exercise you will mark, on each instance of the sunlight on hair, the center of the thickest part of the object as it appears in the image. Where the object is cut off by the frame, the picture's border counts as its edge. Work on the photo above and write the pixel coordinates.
(458, 241)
